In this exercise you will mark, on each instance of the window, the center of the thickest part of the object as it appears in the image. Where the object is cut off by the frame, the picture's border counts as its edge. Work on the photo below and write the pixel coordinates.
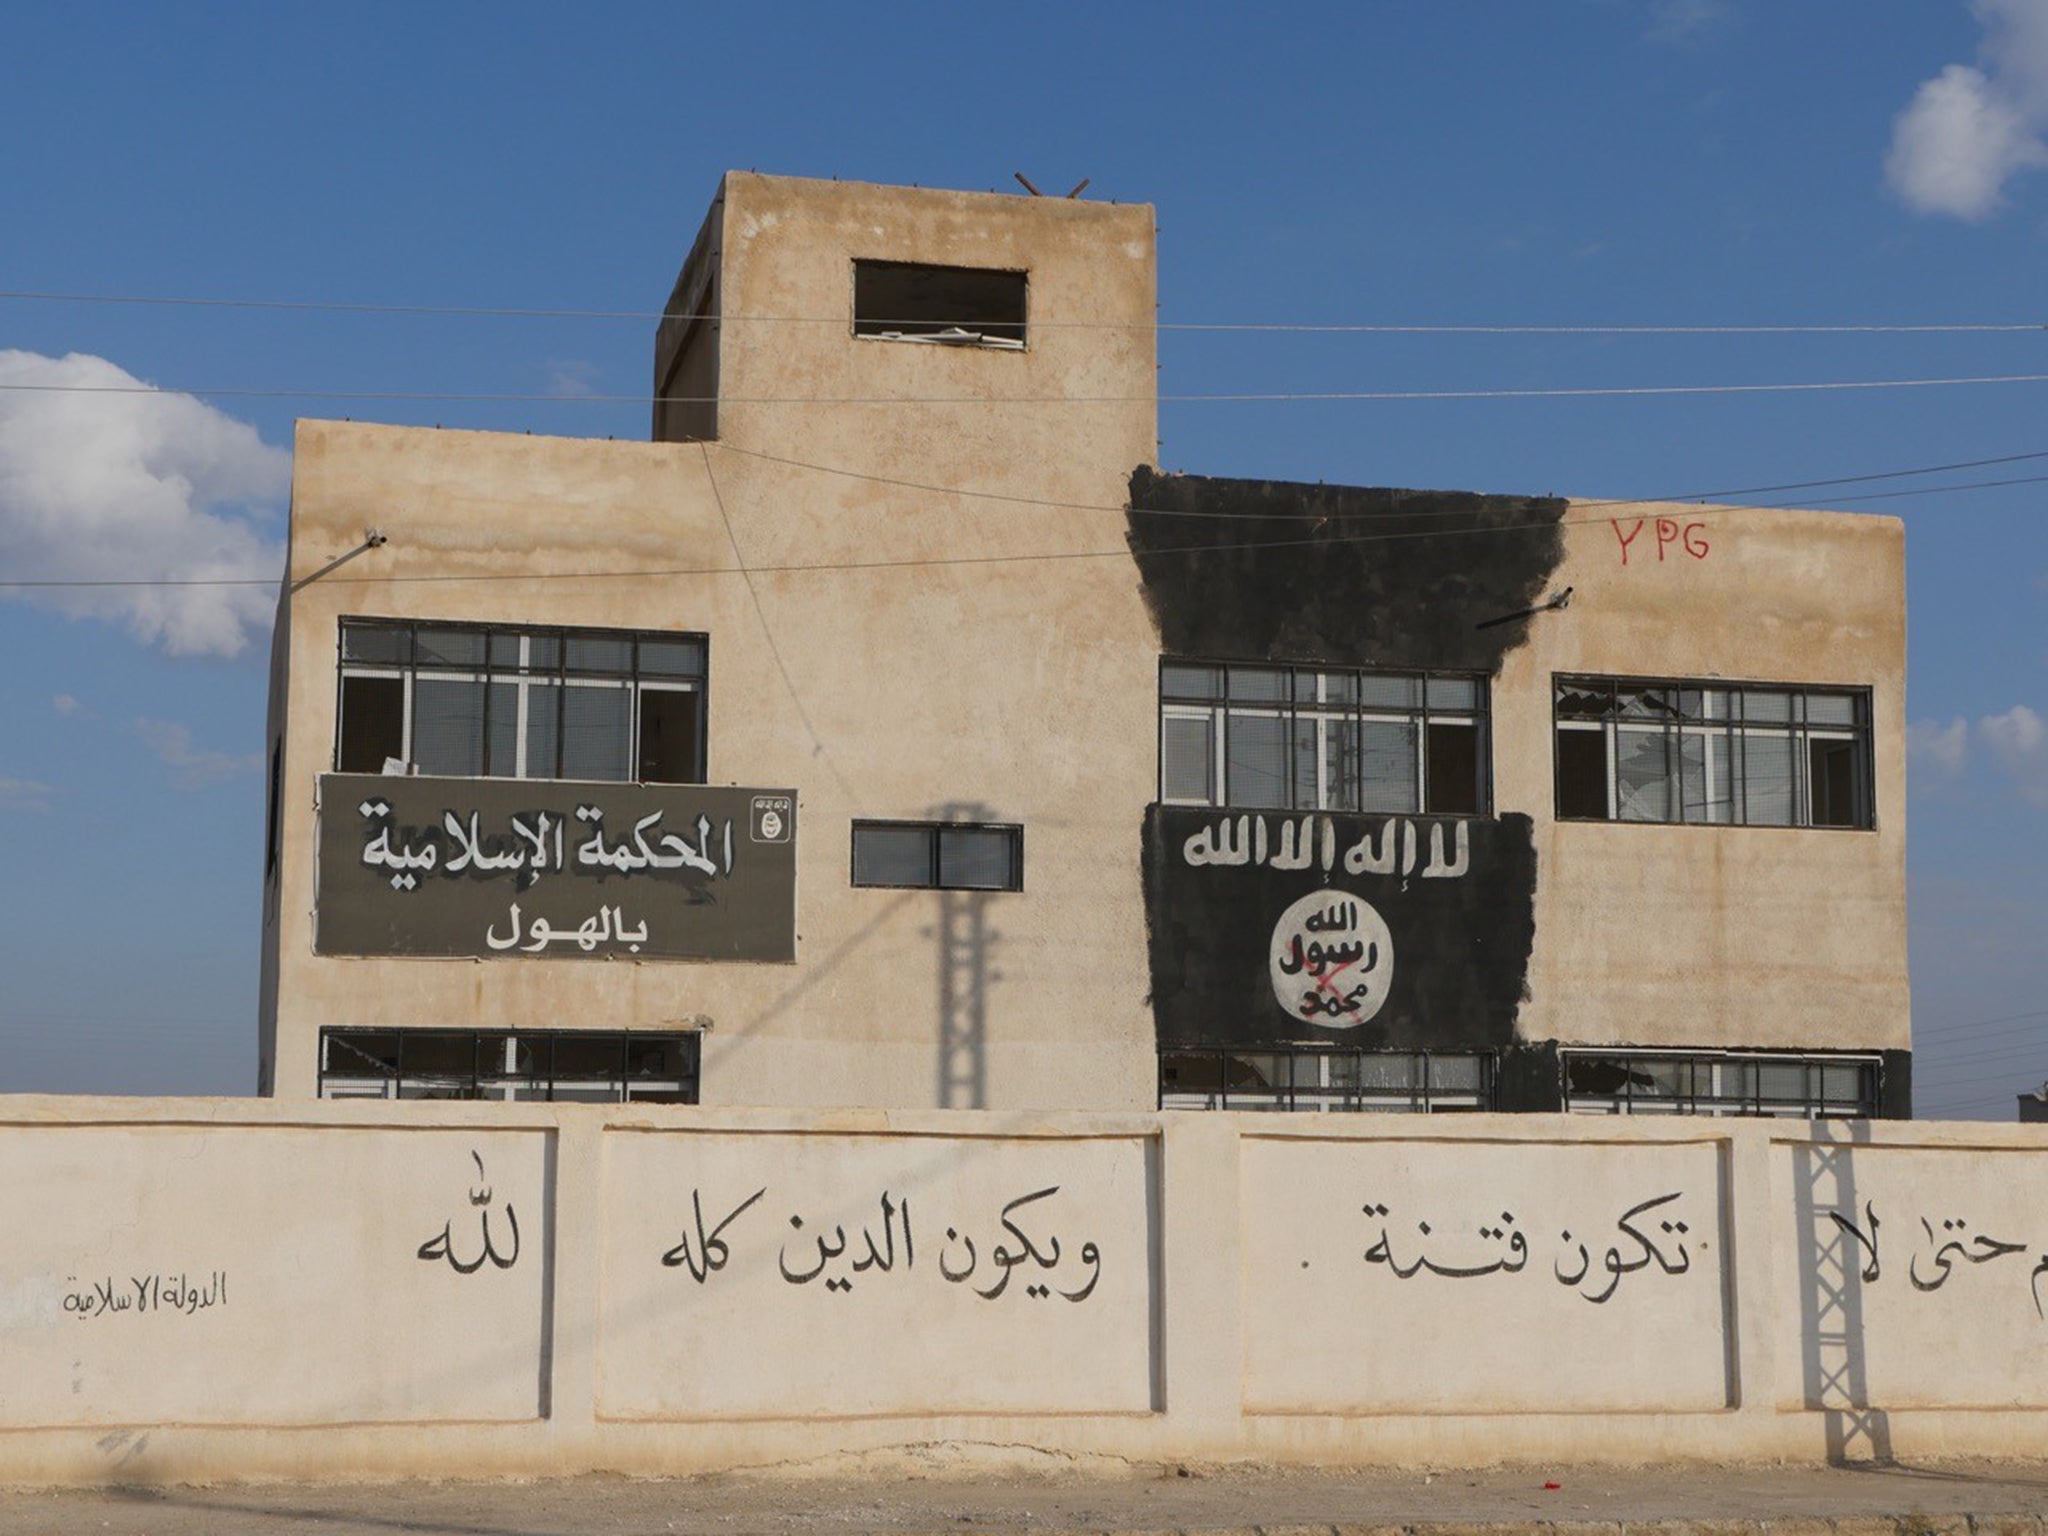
(544, 1065)
(1713, 754)
(1720, 1083)
(1420, 1082)
(1301, 738)
(476, 701)
(960, 306)
(941, 856)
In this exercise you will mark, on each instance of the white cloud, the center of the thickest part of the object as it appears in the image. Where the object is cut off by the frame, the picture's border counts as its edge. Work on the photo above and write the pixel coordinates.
(1684, 21)
(1969, 130)
(1936, 748)
(125, 486)
(2019, 740)
(24, 795)
(197, 766)
(572, 379)
(65, 704)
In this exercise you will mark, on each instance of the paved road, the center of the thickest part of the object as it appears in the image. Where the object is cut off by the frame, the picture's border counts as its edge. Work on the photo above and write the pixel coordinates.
(900, 1498)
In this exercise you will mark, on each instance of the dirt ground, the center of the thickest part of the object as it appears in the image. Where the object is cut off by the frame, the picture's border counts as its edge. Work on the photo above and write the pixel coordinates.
(903, 1497)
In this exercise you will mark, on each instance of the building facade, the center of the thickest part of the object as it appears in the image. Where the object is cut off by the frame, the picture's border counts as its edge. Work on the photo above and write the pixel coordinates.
(890, 732)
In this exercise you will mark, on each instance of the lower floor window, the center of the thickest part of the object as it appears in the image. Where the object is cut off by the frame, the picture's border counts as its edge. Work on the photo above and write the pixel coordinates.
(1793, 1087)
(1422, 1082)
(559, 1065)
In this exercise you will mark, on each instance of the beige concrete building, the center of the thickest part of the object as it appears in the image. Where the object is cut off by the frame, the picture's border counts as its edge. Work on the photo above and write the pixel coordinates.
(888, 731)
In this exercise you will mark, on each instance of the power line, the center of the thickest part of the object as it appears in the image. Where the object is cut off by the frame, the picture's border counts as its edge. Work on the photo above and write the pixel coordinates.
(1246, 397)
(1034, 557)
(1628, 501)
(1340, 328)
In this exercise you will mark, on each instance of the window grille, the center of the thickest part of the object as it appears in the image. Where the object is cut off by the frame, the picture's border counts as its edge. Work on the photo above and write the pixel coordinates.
(1418, 1082)
(1798, 1087)
(527, 1065)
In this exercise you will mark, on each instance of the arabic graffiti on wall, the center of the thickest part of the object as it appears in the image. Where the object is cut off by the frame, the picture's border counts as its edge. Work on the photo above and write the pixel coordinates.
(483, 868)
(1400, 931)
(973, 1274)
(703, 1250)
(1416, 1259)
(1925, 1272)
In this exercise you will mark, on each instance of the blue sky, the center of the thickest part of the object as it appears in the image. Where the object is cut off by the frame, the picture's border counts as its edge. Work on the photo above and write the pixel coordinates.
(1571, 163)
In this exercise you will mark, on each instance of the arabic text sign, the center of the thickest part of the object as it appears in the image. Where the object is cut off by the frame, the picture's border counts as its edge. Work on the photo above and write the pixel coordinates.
(1396, 1276)
(508, 867)
(867, 1275)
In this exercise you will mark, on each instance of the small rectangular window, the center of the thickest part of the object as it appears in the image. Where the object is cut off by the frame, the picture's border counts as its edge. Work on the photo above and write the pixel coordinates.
(960, 306)
(945, 856)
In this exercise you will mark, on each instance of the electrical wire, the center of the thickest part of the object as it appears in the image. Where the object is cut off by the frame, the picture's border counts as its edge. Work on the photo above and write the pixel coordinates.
(1341, 328)
(929, 562)
(1246, 397)
(1629, 501)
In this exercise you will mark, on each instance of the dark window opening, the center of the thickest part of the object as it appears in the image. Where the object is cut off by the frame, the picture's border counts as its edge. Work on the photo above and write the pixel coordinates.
(1310, 1080)
(535, 1065)
(943, 856)
(1454, 776)
(965, 306)
(372, 728)
(1581, 775)
(669, 750)
(1836, 783)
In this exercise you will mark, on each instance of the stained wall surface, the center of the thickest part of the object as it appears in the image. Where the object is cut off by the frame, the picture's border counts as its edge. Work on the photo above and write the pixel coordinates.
(222, 1289)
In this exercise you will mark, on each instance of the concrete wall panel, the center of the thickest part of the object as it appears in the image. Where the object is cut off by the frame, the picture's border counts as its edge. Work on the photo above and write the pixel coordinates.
(271, 1275)
(1934, 1260)
(861, 1275)
(1426, 1276)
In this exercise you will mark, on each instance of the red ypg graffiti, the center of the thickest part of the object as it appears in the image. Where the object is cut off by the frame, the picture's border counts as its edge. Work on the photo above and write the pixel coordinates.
(1692, 537)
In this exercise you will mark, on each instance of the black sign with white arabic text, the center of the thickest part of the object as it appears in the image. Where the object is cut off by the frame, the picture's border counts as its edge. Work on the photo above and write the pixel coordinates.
(532, 869)
(1271, 928)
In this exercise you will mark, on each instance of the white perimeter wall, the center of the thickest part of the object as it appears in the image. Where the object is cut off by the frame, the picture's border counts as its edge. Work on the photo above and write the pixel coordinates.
(219, 1289)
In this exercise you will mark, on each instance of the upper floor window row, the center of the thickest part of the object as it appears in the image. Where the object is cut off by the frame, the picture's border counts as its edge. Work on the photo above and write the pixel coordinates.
(475, 701)
(1332, 739)
(1630, 749)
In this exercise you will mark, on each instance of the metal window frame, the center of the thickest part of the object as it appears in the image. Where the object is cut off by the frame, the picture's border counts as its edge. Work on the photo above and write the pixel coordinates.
(1293, 710)
(523, 676)
(1738, 729)
(936, 831)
